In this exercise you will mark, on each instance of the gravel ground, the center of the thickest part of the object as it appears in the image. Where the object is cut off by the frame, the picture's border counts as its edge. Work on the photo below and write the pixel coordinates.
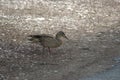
(92, 26)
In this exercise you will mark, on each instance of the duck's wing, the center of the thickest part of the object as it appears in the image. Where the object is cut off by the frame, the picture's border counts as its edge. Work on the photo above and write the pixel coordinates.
(39, 38)
(45, 40)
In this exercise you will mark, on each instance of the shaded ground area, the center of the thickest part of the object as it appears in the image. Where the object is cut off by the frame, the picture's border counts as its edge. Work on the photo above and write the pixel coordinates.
(111, 74)
(91, 26)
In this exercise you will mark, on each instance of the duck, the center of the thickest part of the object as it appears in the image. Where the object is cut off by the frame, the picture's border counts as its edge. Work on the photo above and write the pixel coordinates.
(48, 41)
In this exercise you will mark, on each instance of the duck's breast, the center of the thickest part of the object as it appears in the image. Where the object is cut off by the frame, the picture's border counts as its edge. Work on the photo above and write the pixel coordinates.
(51, 42)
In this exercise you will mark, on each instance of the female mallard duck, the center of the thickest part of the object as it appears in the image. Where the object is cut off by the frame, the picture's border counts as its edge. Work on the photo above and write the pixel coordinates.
(48, 41)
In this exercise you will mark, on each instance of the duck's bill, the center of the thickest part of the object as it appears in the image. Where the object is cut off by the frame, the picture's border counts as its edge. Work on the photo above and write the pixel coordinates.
(66, 37)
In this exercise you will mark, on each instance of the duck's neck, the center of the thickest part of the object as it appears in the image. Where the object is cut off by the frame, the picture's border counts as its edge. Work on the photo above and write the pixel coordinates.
(59, 41)
(58, 37)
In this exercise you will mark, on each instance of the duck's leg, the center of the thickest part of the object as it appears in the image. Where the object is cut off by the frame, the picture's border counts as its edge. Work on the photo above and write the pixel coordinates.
(49, 50)
(43, 49)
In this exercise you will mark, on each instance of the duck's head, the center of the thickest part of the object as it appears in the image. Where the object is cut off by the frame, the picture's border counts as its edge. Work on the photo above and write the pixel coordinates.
(61, 34)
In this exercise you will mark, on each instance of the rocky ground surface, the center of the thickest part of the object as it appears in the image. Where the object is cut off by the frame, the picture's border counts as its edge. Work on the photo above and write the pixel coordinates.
(92, 26)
